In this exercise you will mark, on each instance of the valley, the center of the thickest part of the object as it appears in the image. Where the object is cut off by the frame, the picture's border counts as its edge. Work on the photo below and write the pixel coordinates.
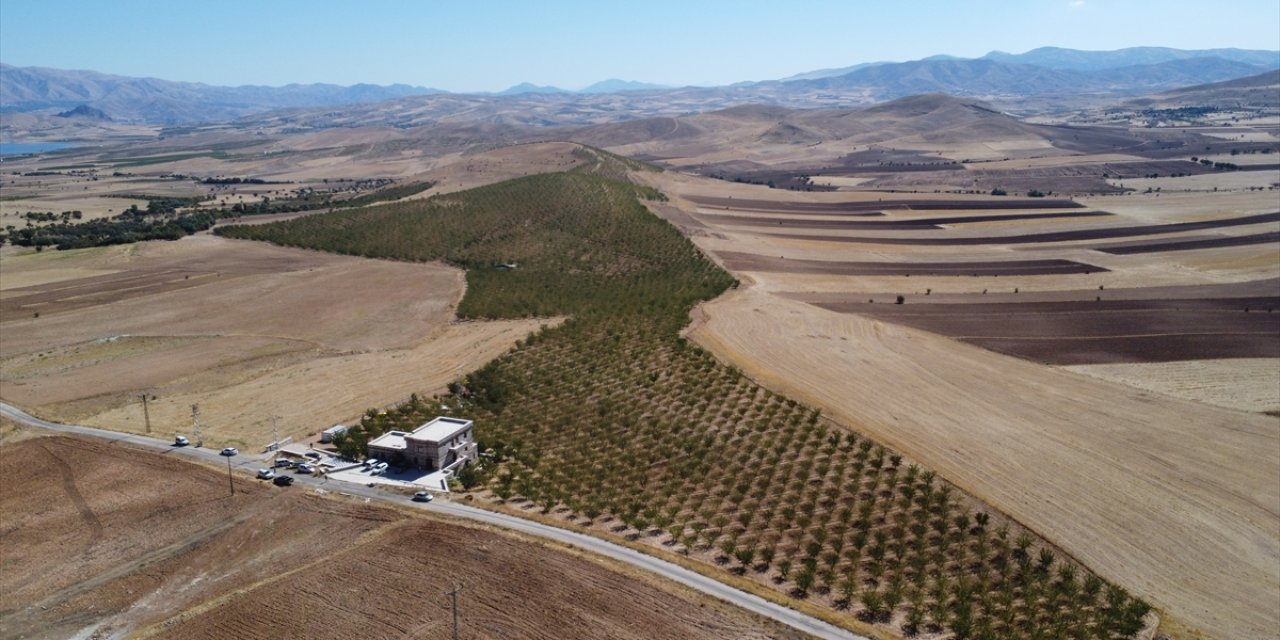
(913, 363)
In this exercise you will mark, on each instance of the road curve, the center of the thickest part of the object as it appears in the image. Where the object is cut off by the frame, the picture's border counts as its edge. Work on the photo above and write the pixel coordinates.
(668, 570)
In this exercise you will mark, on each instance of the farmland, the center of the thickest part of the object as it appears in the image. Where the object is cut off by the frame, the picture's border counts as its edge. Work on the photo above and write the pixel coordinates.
(86, 332)
(1182, 315)
(671, 446)
(160, 548)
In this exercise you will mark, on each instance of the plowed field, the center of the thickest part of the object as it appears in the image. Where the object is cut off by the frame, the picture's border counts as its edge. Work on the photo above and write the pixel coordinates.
(109, 540)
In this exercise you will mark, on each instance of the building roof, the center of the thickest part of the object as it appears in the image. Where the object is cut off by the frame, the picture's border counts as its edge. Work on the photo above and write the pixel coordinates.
(390, 440)
(440, 429)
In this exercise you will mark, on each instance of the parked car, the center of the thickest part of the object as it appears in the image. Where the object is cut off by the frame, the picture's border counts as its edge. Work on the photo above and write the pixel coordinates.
(422, 496)
(229, 451)
(382, 467)
(370, 463)
(266, 474)
(313, 455)
(305, 468)
(283, 481)
(180, 441)
(284, 462)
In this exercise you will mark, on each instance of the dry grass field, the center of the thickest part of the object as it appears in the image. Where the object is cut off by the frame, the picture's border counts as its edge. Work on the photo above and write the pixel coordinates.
(1135, 469)
(105, 540)
(244, 329)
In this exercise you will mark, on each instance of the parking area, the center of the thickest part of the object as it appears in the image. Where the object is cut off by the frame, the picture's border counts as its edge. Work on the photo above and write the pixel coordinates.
(407, 478)
(327, 466)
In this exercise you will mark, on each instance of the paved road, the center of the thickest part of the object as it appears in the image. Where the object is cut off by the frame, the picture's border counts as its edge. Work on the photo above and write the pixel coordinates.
(676, 573)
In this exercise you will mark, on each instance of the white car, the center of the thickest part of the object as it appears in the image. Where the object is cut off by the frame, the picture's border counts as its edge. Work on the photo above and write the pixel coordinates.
(370, 463)
(422, 496)
(229, 451)
(305, 468)
(180, 441)
(266, 474)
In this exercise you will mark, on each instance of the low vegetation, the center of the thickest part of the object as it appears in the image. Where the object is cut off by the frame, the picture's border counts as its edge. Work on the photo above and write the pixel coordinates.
(171, 218)
(614, 417)
(134, 225)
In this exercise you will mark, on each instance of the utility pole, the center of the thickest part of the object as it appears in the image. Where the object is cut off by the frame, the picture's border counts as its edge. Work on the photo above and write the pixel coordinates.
(454, 595)
(230, 483)
(275, 440)
(146, 415)
(195, 425)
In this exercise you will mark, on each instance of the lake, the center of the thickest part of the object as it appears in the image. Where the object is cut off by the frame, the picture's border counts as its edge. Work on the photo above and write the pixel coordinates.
(20, 148)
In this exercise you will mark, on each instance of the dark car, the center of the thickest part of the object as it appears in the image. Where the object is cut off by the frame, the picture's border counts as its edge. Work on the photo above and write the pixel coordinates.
(283, 481)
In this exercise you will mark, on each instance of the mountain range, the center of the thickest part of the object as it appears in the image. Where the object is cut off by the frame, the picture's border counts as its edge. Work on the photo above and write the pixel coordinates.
(1058, 78)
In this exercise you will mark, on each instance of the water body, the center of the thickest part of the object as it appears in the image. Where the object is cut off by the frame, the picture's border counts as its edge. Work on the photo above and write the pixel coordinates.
(23, 148)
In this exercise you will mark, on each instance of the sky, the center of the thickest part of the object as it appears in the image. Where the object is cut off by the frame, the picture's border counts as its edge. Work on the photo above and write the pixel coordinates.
(489, 45)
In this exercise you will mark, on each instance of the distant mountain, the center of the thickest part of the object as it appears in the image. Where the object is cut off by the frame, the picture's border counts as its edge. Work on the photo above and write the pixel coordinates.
(1063, 79)
(987, 77)
(831, 73)
(526, 87)
(162, 101)
(614, 85)
(1077, 60)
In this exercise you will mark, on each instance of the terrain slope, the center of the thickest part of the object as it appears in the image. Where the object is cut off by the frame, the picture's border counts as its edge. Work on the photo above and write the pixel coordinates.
(104, 539)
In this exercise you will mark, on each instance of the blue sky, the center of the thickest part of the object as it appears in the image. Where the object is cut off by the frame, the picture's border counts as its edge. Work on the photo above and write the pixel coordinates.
(487, 45)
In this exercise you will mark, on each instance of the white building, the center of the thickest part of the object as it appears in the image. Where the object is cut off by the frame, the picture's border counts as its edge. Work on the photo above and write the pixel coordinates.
(444, 444)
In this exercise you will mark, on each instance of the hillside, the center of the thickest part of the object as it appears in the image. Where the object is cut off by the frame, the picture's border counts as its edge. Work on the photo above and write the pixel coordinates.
(1069, 76)
(162, 101)
(1258, 91)
(930, 128)
(670, 447)
(1062, 58)
(984, 77)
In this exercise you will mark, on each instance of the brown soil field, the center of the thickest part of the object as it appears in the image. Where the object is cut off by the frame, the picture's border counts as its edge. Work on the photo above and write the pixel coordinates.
(1191, 244)
(393, 586)
(108, 537)
(1247, 289)
(107, 540)
(879, 204)
(246, 330)
(1101, 331)
(1053, 236)
(895, 224)
(754, 262)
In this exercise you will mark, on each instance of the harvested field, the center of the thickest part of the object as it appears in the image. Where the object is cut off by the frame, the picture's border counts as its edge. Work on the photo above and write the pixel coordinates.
(394, 586)
(108, 540)
(1053, 236)
(1153, 484)
(1190, 244)
(106, 537)
(1177, 501)
(754, 262)
(1243, 384)
(897, 224)
(1102, 331)
(246, 330)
